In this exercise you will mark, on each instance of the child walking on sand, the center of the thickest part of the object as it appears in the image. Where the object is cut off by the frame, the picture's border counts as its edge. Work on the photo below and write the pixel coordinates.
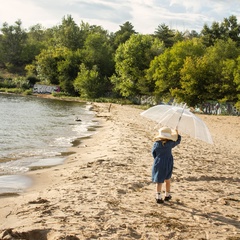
(163, 160)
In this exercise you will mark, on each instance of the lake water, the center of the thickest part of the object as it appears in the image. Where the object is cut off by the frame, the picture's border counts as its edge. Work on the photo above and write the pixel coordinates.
(37, 132)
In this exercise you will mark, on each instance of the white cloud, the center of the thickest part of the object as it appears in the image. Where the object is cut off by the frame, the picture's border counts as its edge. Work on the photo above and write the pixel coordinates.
(189, 5)
(27, 11)
(145, 15)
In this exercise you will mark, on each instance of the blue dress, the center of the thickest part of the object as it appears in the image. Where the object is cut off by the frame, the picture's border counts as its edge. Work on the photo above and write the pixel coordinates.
(163, 160)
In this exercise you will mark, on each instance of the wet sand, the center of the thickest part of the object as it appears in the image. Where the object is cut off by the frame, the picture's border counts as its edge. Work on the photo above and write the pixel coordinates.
(104, 190)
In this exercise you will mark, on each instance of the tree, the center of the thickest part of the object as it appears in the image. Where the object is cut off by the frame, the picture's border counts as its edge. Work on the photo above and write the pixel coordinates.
(190, 35)
(98, 51)
(12, 44)
(68, 69)
(132, 59)
(228, 87)
(88, 83)
(122, 35)
(210, 35)
(68, 34)
(164, 70)
(58, 66)
(222, 58)
(165, 34)
(46, 65)
(36, 41)
(237, 81)
(229, 28)
(209, 77)
(206, 34)
(195, 86)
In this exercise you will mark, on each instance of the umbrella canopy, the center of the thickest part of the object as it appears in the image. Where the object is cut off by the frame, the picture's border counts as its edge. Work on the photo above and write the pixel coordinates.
(180, 118)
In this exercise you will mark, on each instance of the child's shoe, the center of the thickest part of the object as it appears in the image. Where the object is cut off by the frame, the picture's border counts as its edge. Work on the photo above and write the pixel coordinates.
(168, 198)
(160, 201)
(159, 198)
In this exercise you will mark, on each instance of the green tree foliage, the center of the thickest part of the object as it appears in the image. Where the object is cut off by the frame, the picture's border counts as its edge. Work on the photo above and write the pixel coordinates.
(237, 81)
(229, 28)
(122, 35)
(132, 59)
(47, 64)
(13, 40)
(88, 82)
(86, 29)
(209, 77)
(228, 88)
(98, 51)
(85, 59)
(58, 66)
(68, 34)
(68, 69)
(165, 69)
(35, 42)
(166, 35)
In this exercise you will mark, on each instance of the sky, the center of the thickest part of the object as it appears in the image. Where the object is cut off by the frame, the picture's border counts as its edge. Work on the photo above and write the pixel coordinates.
(144, 15)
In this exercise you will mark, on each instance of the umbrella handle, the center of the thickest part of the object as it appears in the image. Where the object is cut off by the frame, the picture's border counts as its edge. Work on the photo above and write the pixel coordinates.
(181, 116)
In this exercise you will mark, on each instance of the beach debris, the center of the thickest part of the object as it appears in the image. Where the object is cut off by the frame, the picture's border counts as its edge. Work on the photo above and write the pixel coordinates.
(78, 119)
(109, 108)
(39, 201)
(70, 237)
(39, 234)
(222, 201)
(36, 234)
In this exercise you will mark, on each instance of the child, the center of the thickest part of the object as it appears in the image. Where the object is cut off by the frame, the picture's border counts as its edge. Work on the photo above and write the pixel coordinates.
(163, 160)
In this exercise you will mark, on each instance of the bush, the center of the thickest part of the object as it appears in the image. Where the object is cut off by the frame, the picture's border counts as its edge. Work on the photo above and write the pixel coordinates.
(60, 94)
(14, 90)
(112, 100)
(28, 92)
(7, 83)
(2, 89)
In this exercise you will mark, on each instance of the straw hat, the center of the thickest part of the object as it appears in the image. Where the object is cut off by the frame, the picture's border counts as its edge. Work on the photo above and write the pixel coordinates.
(166, 133)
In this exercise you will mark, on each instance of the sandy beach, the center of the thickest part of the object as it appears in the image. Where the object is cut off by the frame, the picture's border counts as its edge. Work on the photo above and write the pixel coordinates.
(104, 190)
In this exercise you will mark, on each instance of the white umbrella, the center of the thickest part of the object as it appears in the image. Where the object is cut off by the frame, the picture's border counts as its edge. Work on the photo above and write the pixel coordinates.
(181, 119)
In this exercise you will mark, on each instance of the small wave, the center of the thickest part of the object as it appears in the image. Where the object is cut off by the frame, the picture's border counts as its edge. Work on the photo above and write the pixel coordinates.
(62, 142)
(13, 184)
(12, 167)
(47, 162)
(89, 107)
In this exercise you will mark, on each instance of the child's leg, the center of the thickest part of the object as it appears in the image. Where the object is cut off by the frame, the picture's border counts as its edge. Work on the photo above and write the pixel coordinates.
(158, 193)
(159, 187)
(168, 188)
(168, 185)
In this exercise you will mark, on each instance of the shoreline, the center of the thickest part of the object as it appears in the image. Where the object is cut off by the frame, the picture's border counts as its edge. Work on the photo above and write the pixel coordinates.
(7, 179)
(104, 190)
